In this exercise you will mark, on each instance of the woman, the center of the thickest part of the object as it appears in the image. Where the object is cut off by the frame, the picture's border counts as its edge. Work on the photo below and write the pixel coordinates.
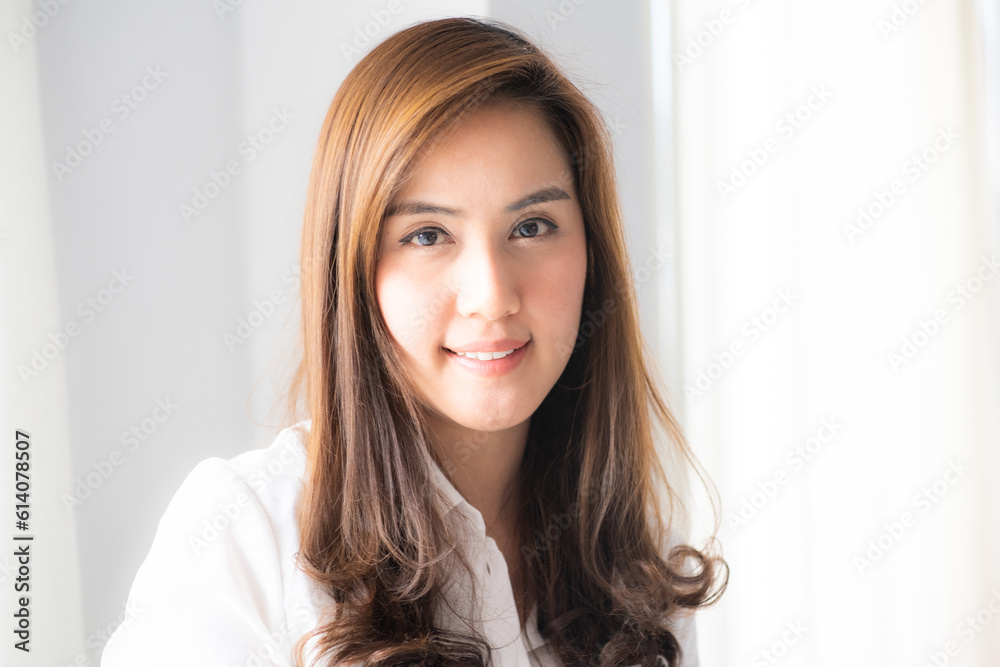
(477, 482)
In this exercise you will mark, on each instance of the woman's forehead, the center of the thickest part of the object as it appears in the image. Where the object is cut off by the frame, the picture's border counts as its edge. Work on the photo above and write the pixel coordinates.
(506, 147)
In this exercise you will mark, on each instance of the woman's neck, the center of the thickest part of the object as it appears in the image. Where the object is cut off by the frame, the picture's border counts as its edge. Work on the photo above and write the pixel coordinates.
(484, 467)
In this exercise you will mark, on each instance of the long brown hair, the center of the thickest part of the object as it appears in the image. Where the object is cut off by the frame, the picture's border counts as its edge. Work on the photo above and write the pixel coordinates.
(371, 531)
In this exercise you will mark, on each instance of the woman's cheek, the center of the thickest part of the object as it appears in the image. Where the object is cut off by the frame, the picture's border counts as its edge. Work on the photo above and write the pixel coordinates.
(566, 295)
(390, 292)
(401, 316)
(410, 305)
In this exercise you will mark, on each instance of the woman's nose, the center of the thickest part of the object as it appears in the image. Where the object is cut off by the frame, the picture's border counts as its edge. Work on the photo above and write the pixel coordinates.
(487, 283)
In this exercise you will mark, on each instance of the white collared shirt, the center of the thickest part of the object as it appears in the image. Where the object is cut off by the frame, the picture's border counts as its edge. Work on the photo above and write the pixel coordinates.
(220, 586)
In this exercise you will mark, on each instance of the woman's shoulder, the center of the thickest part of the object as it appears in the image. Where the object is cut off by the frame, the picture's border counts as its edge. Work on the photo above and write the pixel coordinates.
(283, 458)
(272, 473)
(264, 482)
(218, 572)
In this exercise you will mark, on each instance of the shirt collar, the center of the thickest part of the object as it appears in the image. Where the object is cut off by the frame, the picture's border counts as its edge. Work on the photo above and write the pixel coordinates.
(531, 633)
(451, 499)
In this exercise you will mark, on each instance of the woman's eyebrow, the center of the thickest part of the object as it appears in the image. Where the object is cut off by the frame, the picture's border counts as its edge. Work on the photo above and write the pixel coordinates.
(540, 197)
(425, 208)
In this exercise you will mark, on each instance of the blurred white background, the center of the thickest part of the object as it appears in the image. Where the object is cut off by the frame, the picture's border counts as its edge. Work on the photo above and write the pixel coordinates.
(811, 192)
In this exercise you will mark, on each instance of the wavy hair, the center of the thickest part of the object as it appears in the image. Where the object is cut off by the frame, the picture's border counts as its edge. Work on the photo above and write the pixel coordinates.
(372, 536)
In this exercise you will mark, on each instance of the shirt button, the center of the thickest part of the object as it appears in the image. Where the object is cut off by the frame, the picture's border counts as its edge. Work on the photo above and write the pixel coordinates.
(488, 570)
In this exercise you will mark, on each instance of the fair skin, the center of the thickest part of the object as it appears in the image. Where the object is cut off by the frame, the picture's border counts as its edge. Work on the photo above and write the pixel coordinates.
(485, 261)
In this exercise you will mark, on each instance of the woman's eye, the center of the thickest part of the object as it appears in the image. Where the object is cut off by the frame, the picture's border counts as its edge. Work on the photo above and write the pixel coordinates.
(425, 237)
(428, 236)
(532, 227)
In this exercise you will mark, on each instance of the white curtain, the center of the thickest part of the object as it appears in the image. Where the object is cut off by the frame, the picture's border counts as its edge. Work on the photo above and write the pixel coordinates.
(33, 342)
(836, 211)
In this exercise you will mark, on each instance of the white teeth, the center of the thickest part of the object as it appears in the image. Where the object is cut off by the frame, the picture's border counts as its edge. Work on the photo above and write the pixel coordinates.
(485, 356)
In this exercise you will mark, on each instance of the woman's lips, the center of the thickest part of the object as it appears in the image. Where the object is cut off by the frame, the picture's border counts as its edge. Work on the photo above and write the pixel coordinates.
(490, 367)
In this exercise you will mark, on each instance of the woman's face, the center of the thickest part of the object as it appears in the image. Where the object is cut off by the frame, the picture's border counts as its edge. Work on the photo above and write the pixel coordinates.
(484, 250)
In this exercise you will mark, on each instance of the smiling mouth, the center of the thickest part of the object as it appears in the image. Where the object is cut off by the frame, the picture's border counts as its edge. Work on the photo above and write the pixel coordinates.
(486, 356)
